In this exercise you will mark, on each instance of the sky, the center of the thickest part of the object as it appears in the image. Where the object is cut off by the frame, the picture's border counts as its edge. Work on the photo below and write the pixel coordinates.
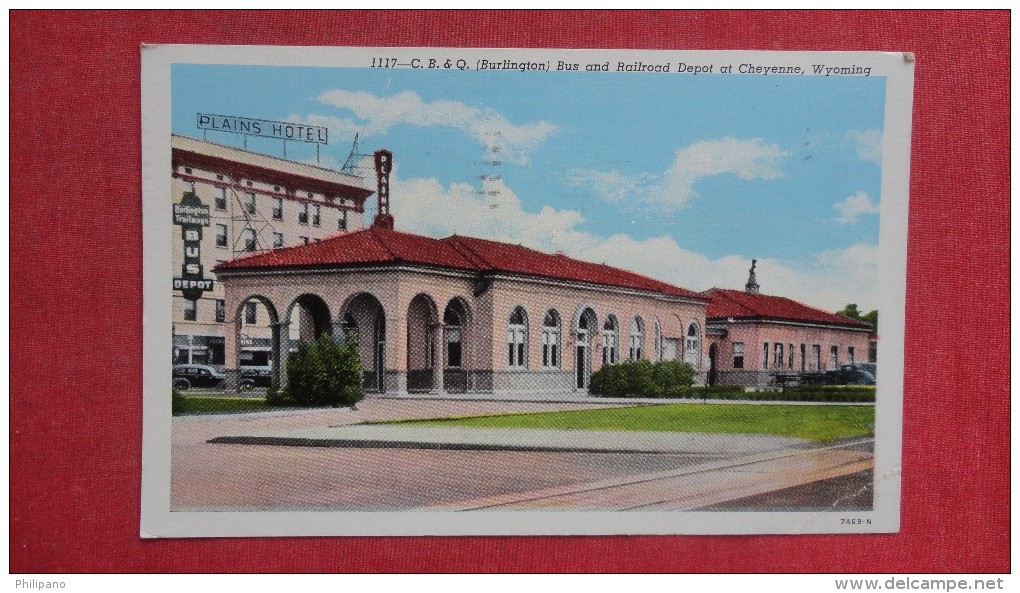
(683, 178)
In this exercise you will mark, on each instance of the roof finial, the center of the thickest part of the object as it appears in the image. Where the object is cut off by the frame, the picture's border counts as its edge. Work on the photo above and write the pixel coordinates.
(752, 282)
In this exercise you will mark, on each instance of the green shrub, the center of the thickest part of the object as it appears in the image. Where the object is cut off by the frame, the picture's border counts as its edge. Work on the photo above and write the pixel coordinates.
(276, 397)
(323, 372)
(642, 378)
(177, 402)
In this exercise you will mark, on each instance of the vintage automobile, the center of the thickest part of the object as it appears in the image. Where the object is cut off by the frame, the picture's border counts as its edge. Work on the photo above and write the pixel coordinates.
(186, 376)
(252, 377)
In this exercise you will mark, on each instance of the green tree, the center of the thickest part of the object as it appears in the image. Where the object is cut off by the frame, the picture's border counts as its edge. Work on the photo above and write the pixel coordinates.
(872, 318)
(850, 311)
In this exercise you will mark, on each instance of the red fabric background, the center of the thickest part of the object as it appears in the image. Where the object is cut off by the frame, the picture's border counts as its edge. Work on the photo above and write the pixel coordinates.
(76, 323)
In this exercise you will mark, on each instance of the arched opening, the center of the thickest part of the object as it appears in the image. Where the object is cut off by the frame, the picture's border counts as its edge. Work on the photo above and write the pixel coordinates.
(259, 343)
(692, 349)
(422, 322)
(636, 339)
(455, 325)
(551, 340)
(713, 370)
(364, 320)
(587, 324)
(307, 319)
(610, 340)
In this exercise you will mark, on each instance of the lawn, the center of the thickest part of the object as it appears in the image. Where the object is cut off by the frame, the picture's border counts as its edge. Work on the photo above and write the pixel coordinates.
(217, 405)
(817, 423)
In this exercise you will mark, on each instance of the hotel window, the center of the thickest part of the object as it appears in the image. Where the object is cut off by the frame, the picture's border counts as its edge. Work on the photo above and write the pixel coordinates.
(316, 215)
(636, 338)
(251, 312)
(551, 339)
(833, 357)
(221, 235)
(790, 352)
(302, 216)
(278, 208)
(221, 310)
(517, 339)
(850, 354)
(765, 357)
(277, 240)
(738, 355)
(341, 223)
(610, 340)
(249, 204)
(779, 357)
(249, 239)
(816, 357)
(304, 240)
(190, 310)
(221, 198)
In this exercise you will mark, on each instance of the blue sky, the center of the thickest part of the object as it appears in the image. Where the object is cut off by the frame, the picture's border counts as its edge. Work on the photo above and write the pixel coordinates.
(685, 178)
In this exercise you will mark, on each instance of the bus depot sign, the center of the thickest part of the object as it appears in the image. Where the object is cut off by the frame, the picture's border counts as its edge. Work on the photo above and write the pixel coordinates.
(279, 130)
(191, 215)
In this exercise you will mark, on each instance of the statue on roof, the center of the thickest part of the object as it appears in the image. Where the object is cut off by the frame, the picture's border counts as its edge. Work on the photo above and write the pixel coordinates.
(752, 282)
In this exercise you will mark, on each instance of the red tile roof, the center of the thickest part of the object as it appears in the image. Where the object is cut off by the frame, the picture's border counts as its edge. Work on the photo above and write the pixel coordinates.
(382, 246)
(738, 304)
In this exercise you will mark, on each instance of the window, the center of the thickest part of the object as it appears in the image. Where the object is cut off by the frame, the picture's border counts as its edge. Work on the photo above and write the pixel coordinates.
(250, 203)
(341, 223)
(190, 310)
(221, 235)
(221, 197)
(302, 216)
(551, 339)
(816, 357)
(221, 310)
(692, 354)
(517, 338)
(790, 362)
(779, 357)
(637, 338)
(803, 357)
(251, 312)
(850, 354)
(610, 340)
(249, 239)
(765, 357)
(278, 208)
(316, 214)
(738, 355)
(277, 240)
(304, 240)
(833, 357)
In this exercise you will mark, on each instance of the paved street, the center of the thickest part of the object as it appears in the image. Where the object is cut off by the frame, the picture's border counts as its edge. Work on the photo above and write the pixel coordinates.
(695, 473)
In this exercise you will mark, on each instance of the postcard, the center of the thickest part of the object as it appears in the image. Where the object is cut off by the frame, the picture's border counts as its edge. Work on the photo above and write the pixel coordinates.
(449, 291)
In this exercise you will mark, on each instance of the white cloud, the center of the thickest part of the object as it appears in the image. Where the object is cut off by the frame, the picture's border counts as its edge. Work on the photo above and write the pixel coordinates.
(854, 206)
(829, 281)
(868, 145)
(501, 138)
(748, 159)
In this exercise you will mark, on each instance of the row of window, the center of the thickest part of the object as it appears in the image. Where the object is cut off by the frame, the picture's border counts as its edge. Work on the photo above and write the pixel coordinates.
(249, 239)
(782, 356)
(190, 311)
(307, 212)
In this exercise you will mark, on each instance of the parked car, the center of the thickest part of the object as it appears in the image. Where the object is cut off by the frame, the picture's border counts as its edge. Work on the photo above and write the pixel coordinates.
(851, 374)
(252, 377)
(186, 376)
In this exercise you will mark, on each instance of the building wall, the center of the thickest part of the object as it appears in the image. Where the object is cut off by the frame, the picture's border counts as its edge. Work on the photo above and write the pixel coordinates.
(755, 334)
(226, 196)
(413, 302)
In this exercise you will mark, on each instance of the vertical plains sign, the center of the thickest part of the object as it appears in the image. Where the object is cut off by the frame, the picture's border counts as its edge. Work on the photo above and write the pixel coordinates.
(280, 130)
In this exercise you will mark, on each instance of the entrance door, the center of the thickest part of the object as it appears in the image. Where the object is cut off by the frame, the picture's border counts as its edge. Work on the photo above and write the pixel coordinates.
(713, 353)
(582, 379)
